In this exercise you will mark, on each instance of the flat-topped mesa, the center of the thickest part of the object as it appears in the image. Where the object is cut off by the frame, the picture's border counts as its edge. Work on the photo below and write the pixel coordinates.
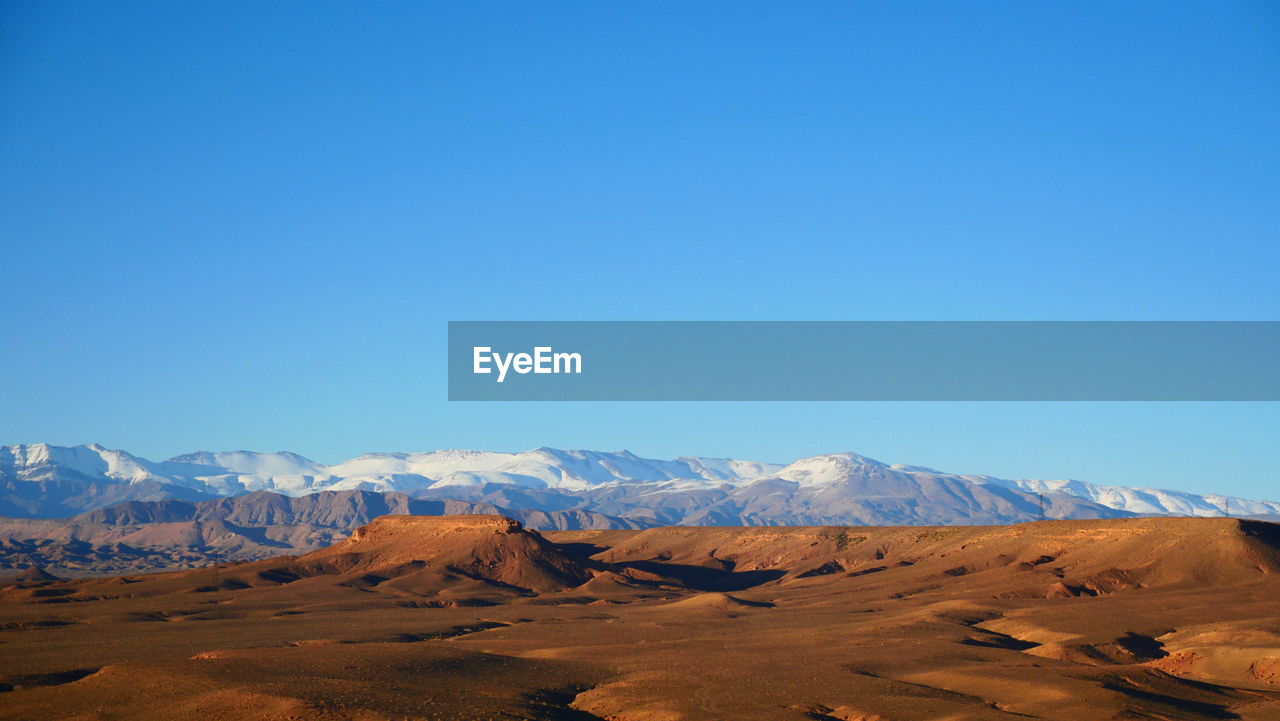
(401, 527)
(404, 539)
(488, 548)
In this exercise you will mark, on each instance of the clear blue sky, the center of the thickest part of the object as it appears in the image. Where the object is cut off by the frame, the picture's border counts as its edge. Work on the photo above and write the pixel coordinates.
(244, 225)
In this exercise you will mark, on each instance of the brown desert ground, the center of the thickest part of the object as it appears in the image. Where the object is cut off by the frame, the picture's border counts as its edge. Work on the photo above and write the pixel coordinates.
(475, 617)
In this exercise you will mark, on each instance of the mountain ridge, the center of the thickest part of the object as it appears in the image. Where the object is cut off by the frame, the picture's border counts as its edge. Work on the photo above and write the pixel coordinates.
(44, 480)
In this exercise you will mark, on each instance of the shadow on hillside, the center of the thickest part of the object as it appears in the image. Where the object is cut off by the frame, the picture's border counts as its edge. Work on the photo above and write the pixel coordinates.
(701, 578)
(581, 551)
(698, 578)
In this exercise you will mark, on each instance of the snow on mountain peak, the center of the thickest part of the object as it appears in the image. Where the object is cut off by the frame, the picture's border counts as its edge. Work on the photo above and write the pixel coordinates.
(562, 471)
(43, 461)
(827, 469)
(281, 463)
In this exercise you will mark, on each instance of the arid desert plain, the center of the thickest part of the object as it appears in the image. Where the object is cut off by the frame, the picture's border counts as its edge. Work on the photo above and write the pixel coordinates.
(475, 617)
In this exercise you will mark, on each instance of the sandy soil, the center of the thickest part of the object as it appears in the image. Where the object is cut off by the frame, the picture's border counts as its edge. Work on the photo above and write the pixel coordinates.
(477, 618)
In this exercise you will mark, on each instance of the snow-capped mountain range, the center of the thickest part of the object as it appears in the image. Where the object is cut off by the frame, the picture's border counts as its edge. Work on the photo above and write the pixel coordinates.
(227, 474)
(47, 480)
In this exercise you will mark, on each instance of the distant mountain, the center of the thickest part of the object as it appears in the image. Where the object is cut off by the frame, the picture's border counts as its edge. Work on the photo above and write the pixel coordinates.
(55, 498)
(848, 489)
(1151, 501)
(248, 463)
(41, 480)
(225, 474)
(138, 536)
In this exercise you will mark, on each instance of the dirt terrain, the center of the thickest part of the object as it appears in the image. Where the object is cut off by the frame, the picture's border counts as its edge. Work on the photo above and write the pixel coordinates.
(476, 617)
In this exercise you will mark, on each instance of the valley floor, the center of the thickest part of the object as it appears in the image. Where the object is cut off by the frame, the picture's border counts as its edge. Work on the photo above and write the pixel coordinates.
(1122, 619)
